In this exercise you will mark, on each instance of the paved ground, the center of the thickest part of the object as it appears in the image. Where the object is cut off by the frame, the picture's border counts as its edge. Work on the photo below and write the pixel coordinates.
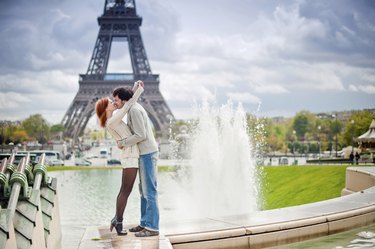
(102, 238)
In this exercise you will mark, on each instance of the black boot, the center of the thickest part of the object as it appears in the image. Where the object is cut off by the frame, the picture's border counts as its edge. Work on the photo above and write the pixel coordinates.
(117, 224)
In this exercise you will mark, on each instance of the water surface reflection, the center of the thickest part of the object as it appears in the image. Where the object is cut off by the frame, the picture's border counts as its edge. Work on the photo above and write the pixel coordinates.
(87, 198)
(344, 240)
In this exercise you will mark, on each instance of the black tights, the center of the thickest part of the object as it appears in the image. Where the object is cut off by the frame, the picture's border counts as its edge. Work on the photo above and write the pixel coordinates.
(128, 178)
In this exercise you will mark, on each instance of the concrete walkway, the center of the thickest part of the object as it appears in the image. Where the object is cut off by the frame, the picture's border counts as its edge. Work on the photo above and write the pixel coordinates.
(102, 238)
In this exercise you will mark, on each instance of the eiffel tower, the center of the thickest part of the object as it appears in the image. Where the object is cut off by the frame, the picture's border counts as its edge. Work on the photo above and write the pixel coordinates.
(119, 21)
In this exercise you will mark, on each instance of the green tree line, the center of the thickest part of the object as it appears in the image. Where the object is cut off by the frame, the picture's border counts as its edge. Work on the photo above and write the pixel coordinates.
(306, 132)
(33, 128)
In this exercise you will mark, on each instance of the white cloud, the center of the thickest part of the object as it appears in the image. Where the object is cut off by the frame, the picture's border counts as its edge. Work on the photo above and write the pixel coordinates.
(38, 63)
(353, 88)
(58, 15)
(370, 77)
(16, 106)
(244, 97)
(184, 88)
(270, 89)
(12, 100)
(319, 77)
(369, 89)
(39, 82)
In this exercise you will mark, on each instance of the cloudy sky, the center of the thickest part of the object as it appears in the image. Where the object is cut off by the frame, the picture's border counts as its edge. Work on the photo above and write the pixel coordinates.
(278, 57)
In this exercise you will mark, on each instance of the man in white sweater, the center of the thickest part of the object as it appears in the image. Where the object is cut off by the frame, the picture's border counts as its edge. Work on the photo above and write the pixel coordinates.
(142, 135)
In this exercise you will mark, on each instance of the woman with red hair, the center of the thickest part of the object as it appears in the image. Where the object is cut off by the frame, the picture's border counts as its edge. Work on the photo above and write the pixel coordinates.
(129, 159)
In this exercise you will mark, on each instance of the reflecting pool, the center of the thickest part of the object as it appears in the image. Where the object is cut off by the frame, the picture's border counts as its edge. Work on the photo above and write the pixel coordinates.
(87, 198)
(344, 240)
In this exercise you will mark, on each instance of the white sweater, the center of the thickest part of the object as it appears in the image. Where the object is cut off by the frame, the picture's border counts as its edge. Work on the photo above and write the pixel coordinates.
(119, 130)
(141, 129)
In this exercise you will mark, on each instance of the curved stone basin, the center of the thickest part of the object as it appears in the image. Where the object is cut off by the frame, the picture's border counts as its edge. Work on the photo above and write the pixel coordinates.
(281, 226)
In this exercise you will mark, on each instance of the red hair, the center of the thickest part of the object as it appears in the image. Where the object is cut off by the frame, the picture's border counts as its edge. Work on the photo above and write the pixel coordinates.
(100, 108)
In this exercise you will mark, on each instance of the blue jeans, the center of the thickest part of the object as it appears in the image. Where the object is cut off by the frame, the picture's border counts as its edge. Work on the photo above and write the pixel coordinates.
(148, 191)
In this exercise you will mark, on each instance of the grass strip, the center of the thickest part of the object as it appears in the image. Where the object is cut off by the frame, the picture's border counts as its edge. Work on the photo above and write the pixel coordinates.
(161, 168)
(284, 186)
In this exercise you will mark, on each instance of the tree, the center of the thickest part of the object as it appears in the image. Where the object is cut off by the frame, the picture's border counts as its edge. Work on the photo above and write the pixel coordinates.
(7, 130)
(56, 131)
(336, 127)
(19, 135)
(57, 128)
(302, 124)
(36, 127)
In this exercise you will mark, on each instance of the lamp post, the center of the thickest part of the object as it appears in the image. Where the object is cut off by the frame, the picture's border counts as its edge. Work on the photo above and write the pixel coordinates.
(294, 135)
(11, 144)
(319, 128)
(352, 122)
(336, 131)
(42, 136)
(336, 137)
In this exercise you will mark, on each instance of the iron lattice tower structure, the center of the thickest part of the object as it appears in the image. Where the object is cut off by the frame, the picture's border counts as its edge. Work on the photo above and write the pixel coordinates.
(119, 21)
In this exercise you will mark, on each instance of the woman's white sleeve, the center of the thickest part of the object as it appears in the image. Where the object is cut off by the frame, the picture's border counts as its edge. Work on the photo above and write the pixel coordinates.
(120, 114)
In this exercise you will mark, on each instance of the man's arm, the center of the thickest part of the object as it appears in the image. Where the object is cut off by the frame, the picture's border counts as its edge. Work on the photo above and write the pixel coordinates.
(139, 129)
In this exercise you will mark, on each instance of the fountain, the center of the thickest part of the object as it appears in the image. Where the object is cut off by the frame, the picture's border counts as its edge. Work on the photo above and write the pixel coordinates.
(215, 197)
(220, 179)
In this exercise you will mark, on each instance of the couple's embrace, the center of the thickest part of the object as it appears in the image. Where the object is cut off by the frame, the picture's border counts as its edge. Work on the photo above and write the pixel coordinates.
(139, 152)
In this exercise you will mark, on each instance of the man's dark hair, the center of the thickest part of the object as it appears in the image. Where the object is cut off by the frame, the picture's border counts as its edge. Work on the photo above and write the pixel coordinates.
(123, 93)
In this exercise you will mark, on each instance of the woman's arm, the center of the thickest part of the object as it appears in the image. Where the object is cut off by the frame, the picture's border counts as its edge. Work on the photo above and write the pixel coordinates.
(119, 115)
(138, 83)
(139, 130)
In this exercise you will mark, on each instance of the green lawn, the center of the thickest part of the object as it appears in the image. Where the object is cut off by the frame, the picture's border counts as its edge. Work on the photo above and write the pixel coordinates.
(284, 186)
(59, 168)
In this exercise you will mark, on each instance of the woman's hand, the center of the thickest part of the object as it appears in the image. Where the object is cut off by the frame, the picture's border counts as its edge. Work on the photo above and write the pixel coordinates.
(120, 145)
(140, 83)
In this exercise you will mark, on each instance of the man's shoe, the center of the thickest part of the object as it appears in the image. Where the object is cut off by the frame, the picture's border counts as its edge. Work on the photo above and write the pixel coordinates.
(136, 229)
(146, 233)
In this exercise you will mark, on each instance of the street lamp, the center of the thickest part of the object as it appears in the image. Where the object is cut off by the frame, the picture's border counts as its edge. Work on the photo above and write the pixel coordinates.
(11, 144)
(352, 122)
(336, 131)
(319, 128)
(294, 136)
